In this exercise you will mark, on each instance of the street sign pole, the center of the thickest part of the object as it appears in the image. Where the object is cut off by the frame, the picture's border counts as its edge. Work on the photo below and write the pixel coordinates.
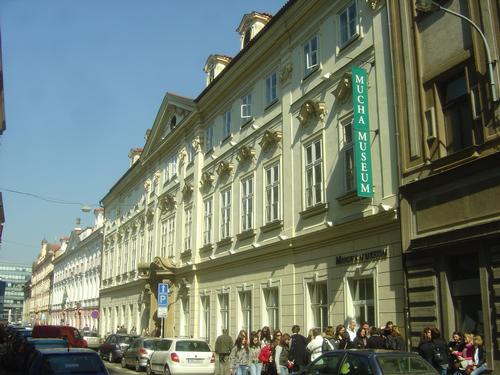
(162, 304)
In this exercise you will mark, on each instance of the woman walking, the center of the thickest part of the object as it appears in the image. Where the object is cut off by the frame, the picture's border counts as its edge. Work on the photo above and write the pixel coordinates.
(239, 358)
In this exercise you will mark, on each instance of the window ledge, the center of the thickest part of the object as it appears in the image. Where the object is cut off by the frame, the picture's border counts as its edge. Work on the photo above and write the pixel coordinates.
(206, 248)
(314, 210)
(246, 234)
(186, 253)
(227, 139)
(350, 41)
(272, 104)
(246, 122)
(311, 73)
(272, 225)
(349, 197)
(209, 152)
(224, 242)
(455, 159)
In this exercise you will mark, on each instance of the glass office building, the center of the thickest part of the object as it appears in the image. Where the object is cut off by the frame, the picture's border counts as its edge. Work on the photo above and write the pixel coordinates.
(15, 276)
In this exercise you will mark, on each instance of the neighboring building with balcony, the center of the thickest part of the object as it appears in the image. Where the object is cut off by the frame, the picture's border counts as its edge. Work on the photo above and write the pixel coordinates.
(449, 136)
(14, 276)
(41, 283)
(245, 200)
(77, 271)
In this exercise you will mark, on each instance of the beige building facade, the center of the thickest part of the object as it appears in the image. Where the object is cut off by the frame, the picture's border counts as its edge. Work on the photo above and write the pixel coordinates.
(244, 199)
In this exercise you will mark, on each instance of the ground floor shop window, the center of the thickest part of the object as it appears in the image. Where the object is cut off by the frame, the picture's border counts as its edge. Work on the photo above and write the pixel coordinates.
(361, 292)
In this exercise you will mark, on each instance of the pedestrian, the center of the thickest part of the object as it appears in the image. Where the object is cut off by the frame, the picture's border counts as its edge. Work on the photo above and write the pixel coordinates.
(282, 363)
(361, 340)
(340, 338)
(375, 341)
(265, 336)
(133, 331)
(239, 357)
(352, 330)
(440, 359)
(315, 346)
(366, 327)
(397, 337)
(425, 346)
(255, 366)
(223, 346)
(479, 365)
(298, 354)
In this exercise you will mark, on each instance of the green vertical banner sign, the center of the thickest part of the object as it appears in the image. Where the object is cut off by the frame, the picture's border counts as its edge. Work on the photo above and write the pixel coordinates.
(361, 136)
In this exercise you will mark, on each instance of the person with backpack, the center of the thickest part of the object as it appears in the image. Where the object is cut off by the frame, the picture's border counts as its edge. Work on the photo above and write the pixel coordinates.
(298, 353)
(328, 341)
(316, 344)
(440, 357)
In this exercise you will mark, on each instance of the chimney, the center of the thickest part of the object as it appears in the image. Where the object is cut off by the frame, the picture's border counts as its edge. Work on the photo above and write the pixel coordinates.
(99, 217)
(214, 65)
(134, 155)
(250, 26)
(77, 224)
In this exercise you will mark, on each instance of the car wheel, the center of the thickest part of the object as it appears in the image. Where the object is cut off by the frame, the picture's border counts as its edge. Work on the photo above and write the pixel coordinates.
(137, 367)
(166, 370)
(124, 364)
(148, 369)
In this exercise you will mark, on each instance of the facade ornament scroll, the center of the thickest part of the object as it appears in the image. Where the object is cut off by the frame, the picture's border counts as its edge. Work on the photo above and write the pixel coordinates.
(344, 87)
(197, 143)
(207, 178)
(182, 156)
(286, 73)
(270, 137)
(245, 153)
(167, 202)
(374, 5)
(310, 110)
(224, 167)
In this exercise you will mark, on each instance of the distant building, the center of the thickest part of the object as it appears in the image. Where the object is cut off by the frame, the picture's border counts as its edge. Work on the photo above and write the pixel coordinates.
(15, 276)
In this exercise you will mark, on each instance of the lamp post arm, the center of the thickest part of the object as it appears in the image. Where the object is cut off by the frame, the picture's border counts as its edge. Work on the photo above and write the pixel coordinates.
(486, 46)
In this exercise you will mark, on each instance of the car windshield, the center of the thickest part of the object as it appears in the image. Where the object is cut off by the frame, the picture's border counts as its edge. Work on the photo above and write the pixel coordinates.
(70, 363)
(149, 344)
(404, 365)
(125, 339)
(90, 334)
(51, 344)
(191, 346)
(78, 336)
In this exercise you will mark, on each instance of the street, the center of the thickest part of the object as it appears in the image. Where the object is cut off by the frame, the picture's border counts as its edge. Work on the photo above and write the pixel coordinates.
(116, 368)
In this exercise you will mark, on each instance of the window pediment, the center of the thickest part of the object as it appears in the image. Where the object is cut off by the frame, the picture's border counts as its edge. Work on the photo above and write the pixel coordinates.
(245, 153)
(270, 138)
(312, 110)
(224, 168)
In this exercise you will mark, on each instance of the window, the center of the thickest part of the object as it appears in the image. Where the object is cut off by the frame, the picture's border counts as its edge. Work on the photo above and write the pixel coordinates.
(348, 153)
(173, 122)
(271, 315)
(224, 310)
(311, 55)
(246, 106)
(188, 221)
(247, 204)
(225, 213)
(457, 114)
(209, 138)
(164, 239)
(171, 235)
(172, 167)
(348, 20)
(246, 310)
(271, 89)
(205, 317)
(207, 219)
(125, 256)
(141, 247)
(150, 244)
(318, 302)
(119, 250)
(314, 173)
(362, 295)
(184, 318)
(272, 193)
(226, 125)
(247, 37)
(134, 252)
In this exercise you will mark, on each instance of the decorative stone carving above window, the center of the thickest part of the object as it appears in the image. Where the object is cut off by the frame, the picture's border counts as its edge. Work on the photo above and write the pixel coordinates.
(206, 179)
(224, 167)
(187, 189)
(270, 137)
(147, 184)
(286, 73)
(374, 4)
(156, 177)
(310, 110)
(167, 202)
(197, 143)
(182, 156)
(344, 88)
(245, 153)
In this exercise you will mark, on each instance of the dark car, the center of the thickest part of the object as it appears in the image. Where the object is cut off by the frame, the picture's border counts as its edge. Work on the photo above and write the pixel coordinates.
(138, 354)
(115, 345)
(29, 347)
(66, 361)
(368, 362)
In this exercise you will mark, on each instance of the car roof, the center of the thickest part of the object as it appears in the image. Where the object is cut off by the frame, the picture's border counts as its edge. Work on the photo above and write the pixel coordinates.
(66, 350)
(378, 352)
(48, 339)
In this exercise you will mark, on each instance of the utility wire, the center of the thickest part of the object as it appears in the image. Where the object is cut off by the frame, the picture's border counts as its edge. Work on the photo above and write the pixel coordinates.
(46, 199)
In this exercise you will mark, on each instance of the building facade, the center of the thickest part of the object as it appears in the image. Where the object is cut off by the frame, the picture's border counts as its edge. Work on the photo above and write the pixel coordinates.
(77, 272)
(245, 200)
(449, 132)
(14, 276)
(41, 283)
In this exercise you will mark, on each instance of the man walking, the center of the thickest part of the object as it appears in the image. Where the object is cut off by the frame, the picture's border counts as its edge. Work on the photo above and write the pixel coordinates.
(298, 354)
(223, 346)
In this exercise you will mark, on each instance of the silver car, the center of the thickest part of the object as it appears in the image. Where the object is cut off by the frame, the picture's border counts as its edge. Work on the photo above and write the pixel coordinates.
(181, 357)
(138, 353)
(93, 339)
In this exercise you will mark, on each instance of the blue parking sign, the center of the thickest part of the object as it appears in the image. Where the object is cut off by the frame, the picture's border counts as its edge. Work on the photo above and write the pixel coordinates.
(162, 295)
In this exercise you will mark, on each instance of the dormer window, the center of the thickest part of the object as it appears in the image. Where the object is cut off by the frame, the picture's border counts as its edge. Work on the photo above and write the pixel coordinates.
(173, 122)
(250, 26)
(215, 65)
(248, 36)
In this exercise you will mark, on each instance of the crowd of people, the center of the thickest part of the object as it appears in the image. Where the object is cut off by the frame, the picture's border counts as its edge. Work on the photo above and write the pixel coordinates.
(264, 352)
(463, 355)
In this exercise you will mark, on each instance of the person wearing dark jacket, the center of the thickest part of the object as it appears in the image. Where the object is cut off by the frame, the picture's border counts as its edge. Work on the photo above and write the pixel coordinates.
(376, 340)
(297, 352)
(440, 358)
(223, 346)
(361, 340)
(426, 347)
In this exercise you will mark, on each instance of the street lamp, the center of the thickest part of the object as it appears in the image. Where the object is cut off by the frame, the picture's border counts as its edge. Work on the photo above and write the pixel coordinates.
(431, 6)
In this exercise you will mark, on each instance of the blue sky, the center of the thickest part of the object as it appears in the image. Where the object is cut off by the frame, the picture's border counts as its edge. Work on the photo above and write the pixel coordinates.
(83, 80)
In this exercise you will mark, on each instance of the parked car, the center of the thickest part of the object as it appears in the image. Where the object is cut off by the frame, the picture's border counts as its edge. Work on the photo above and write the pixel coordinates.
(139, 352)
(16, 337)
(181, 356)
(28, 348)
(115, 345)
(75, 339)
(66, 361)
(93, 339)
(374, 362)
